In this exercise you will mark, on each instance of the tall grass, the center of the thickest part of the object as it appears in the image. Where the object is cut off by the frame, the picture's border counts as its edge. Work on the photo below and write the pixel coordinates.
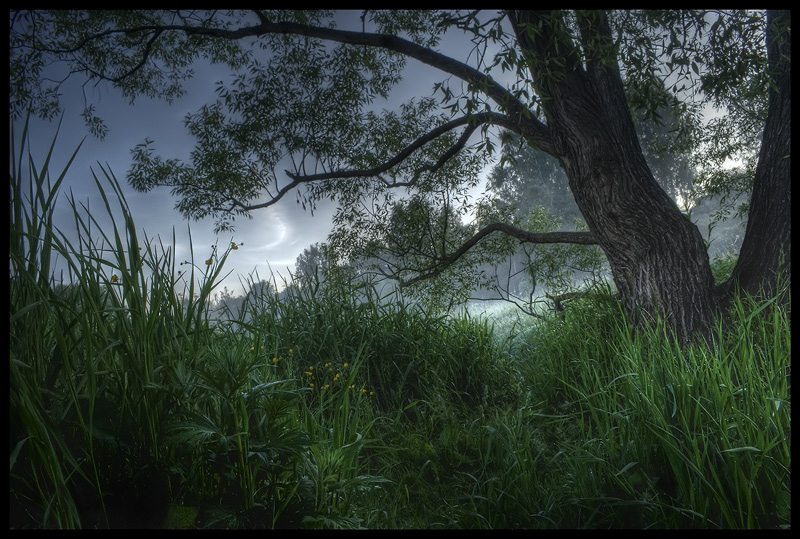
(36, 444)
(329, 406)
(128, 400)
(656, 435)
(368, 365)
(108, 367)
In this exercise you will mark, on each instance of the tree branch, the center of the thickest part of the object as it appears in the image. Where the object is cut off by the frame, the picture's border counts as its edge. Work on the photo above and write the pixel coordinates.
(519, 114)
(532, 128)
(579, 238)
(236, 203)
(472, 122)
(145, 56)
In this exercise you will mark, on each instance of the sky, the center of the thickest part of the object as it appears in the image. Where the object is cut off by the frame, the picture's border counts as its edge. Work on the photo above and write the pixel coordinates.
(270, 242)
(273, 238)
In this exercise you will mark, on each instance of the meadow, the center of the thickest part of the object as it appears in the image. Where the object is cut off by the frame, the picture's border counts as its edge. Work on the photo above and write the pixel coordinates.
(133, 405)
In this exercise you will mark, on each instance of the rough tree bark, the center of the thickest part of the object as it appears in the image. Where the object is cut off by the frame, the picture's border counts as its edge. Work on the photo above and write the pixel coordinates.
(657, 256)
(766, 248)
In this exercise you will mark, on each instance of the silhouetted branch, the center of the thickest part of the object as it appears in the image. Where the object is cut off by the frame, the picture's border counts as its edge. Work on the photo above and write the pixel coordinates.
(518, 113)
(579, 238)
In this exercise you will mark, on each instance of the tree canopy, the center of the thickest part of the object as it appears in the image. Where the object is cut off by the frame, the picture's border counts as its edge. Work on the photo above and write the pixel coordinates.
(307, 113)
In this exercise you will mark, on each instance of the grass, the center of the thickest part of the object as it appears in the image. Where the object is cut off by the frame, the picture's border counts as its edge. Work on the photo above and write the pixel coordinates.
(671, 437)
(330, 407)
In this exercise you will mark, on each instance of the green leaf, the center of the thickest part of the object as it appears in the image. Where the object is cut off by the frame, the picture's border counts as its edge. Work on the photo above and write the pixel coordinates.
(740, 449)
(13, 457)
(627, 467)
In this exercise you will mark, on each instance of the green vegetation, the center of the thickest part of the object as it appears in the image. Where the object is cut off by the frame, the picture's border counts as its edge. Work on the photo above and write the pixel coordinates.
(130, 408)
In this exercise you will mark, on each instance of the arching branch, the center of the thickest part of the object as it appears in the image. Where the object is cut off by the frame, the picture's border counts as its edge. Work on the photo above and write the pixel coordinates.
(518, 113)
(537, 132)
(472, 122)
(524, 236)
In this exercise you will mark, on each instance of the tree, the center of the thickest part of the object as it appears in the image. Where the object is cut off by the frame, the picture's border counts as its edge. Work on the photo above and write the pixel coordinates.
(315, 260)
(526, 177)
(536, 187)
(566, 82)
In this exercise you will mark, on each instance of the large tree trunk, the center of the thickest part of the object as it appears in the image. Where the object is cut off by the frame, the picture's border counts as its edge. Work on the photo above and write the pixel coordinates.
(658, 259)
(657, 256)
(767, 242)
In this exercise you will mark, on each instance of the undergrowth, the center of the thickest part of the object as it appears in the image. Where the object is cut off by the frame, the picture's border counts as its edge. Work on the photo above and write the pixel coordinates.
(327, 406)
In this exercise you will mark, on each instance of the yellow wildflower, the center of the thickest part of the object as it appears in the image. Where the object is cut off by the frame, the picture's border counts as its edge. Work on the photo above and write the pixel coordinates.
(114, 278)
(209, 261)
(234, 246)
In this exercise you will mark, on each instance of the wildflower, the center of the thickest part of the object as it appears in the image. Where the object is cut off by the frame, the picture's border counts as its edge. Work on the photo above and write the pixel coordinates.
(114, 278)
(353, 386)
(346, 365)
(275, 360)
(209, 261)
(234, 246)
(336, 378)
(290, 350)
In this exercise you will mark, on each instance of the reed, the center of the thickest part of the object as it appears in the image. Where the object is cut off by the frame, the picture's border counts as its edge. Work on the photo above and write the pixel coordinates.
(42, 463)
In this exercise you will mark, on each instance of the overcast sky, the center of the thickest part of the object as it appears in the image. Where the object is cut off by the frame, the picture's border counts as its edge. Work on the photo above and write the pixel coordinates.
(275, 236)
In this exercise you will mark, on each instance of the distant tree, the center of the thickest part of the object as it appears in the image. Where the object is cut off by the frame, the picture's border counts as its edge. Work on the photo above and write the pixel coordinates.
(566, 81)
(315, 260)
(672, 164)
(225, 303)
(319, 266)
(526, 178)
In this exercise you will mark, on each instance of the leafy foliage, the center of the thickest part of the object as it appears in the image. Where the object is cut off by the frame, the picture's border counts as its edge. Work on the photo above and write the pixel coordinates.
(302, 99)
